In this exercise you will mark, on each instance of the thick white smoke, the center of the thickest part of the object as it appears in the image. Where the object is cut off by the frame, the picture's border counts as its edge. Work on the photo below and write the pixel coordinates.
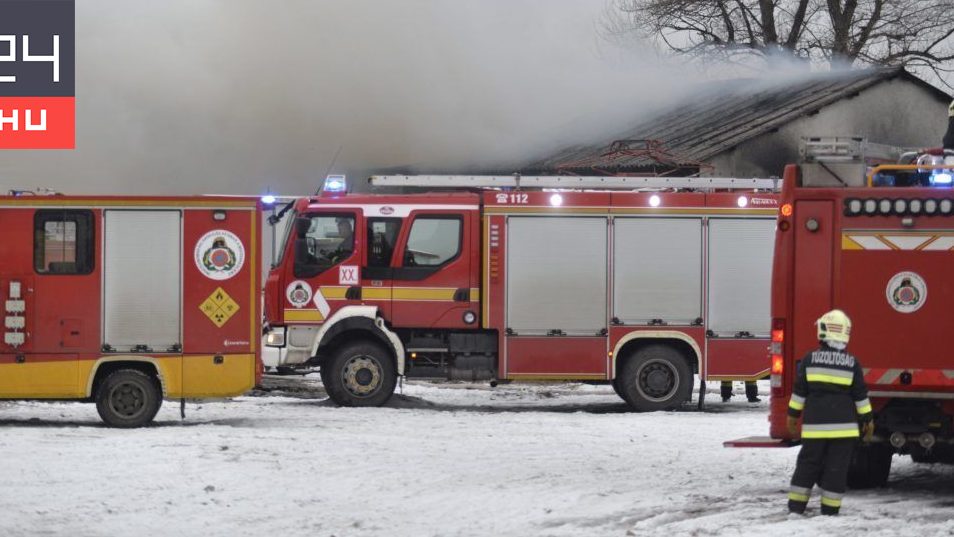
(233, 96)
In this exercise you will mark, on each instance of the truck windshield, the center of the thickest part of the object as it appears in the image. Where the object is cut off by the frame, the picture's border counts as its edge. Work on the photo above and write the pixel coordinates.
(287, 225)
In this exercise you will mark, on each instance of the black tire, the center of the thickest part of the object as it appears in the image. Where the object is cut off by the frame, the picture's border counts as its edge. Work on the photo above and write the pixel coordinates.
(618, 389)
(870, 466)
(360, 374)
(128, 398)
(656, 377)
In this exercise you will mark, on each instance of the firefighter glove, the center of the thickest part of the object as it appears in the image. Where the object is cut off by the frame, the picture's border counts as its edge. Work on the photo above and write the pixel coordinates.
(792, 424)
(867, 430)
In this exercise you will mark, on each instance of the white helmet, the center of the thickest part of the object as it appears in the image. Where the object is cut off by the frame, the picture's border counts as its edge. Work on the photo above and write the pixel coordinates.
(834, 327)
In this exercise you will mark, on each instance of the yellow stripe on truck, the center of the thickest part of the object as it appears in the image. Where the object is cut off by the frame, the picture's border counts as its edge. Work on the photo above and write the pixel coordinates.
(401, 293)
(300, 316)
(423, 293)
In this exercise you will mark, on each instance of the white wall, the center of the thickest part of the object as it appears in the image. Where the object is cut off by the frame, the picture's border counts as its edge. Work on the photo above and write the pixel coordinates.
(896, 112)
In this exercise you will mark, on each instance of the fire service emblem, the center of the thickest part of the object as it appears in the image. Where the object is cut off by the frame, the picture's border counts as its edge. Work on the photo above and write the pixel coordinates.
(219, 254)
(906, 292)
(298, 293)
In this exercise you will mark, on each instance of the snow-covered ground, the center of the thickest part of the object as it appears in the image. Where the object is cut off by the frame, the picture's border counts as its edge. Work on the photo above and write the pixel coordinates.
(442, 459)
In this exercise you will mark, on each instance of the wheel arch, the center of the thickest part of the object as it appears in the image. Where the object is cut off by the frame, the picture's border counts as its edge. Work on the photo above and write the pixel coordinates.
(632, 342)
(359, 322)
(109, 364)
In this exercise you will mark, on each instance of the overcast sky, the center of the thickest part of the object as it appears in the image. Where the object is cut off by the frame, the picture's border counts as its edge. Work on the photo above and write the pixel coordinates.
(235, 96)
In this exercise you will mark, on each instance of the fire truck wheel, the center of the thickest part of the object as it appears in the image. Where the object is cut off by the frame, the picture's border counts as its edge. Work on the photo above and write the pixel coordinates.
(360, 374)
(128, 398)
(656, 377)
(870, 466)
(618, 388)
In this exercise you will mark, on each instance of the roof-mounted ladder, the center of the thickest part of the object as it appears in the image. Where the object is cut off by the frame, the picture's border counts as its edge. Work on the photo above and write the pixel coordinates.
(846, 149)
(570, 182)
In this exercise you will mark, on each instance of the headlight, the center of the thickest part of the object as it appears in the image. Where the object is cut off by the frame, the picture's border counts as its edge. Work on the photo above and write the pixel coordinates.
(275, 337)
(884, 206)
(930, 207)
(871, 207)
(900, 206)
(945, 206)
(915, 206)
(854, 206)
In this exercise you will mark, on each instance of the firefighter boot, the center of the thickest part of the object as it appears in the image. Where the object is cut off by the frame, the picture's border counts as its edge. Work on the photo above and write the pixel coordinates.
(798, 499)
(752, 391)
(726, 389)
(830, 503)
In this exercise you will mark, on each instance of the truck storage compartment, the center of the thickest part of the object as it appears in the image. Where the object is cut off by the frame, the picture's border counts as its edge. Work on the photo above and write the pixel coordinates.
(657, 271)
(740, 272)
(556, 275)
(142, 289)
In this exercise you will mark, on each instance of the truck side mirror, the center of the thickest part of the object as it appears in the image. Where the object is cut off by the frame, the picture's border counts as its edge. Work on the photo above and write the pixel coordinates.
(302, 225)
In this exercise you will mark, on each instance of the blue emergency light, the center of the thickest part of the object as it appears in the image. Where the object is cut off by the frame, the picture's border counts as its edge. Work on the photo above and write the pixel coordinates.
(335, 184)
(268, 199)
(941, 177)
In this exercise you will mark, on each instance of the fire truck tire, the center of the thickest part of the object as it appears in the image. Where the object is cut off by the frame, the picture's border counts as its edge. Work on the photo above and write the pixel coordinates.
(361, 373)
(870, 466)
(128, 398)
(656, 377)
(617, 387)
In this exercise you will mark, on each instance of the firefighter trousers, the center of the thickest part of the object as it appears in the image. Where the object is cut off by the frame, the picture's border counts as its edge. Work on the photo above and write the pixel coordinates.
(823, 463)
(751, 390)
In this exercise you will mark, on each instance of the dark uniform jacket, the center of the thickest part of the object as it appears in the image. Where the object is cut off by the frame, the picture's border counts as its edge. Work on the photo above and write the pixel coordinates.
(830, 389)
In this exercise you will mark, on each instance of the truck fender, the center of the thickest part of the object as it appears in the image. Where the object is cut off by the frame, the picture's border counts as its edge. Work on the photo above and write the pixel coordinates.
(658, 335)
(143, 359)
(365, 317)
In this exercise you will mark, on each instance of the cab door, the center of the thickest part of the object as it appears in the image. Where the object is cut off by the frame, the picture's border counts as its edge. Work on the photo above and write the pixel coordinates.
(434, 278)
(377, 272)
(324, 275)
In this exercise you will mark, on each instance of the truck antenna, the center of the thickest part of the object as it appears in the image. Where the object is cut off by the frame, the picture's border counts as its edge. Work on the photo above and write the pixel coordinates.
(330, 166)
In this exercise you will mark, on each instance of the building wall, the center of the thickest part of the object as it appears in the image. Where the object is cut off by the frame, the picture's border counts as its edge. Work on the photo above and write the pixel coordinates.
(896, 112)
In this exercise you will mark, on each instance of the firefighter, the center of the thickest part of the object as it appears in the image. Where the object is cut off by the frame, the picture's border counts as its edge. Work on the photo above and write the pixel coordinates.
(751, 391)
(949, 136)
(830, 388)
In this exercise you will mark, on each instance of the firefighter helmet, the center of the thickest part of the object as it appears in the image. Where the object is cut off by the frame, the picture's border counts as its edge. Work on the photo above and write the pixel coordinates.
(834, 327)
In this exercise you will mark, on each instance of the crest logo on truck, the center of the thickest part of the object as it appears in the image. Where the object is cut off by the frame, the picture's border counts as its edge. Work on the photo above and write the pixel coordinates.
(219, 254)
(906, 292)
(298, 293)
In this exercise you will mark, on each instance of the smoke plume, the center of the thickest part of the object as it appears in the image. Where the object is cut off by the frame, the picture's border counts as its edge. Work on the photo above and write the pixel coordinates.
(236, 96)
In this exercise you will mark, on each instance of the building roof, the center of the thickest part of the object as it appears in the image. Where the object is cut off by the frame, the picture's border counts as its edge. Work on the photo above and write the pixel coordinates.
(682, 139)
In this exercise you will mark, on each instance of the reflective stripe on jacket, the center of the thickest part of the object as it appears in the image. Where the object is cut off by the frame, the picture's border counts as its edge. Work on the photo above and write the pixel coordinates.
(830, 390)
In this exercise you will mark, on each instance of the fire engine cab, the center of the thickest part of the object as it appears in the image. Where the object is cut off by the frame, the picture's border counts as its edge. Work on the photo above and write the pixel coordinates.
(122, 301)
(641, 282)
(875, 240)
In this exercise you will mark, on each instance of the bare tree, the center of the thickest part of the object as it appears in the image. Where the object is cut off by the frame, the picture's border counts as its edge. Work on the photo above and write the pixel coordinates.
(915, 33)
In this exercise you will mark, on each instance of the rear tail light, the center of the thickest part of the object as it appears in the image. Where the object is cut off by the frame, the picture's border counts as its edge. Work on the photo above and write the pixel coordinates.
(775, 351)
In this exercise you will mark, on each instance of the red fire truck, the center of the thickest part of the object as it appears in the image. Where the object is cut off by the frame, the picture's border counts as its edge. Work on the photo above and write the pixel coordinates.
(876, 246)
(635, 281)
(122, 301)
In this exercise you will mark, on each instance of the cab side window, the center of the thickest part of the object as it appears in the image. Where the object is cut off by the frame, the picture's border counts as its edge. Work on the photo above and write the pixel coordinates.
(63, 242)
(322, 242)
(382, 236)
(433, 241)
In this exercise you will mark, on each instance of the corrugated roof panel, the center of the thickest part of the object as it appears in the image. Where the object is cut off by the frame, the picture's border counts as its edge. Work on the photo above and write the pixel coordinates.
(719, 119)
